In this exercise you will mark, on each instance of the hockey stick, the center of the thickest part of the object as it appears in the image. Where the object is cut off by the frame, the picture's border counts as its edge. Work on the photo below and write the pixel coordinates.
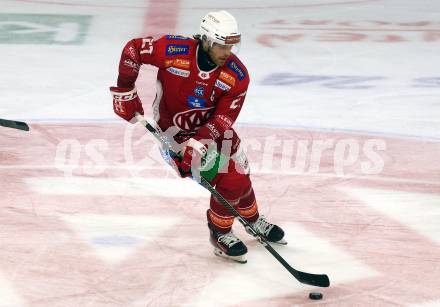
(319, 280)
(14, 124)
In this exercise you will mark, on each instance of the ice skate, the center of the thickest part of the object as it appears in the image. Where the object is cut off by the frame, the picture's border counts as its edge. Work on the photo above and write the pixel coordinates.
(271, 232)
(227, 245)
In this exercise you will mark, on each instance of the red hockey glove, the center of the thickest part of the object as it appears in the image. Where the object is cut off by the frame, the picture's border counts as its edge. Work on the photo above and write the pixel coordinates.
(126, 102)
(192, 156)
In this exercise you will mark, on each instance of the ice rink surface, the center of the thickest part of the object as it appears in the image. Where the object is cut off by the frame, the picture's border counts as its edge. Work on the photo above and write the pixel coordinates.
(341, 126)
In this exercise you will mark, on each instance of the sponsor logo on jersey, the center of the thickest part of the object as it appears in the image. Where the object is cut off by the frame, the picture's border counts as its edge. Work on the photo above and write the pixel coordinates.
(224, 121)
(176, 37)
(201, 83)
(194, 102)
(192, 119)
(132, 52)
(237, 70)
(213, 129)
(178, 72)
(221, 85)
(175, 49)
(179, 63)
(227, 78)
(182, 63)
(131, 64)
(199, 91)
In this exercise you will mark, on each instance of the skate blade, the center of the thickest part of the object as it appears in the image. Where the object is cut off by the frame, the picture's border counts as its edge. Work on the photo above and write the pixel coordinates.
(239, 259)
(280, 242)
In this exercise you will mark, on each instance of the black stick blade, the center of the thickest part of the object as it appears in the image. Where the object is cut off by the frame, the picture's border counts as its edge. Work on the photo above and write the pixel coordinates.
(14, 124)
(318, 280)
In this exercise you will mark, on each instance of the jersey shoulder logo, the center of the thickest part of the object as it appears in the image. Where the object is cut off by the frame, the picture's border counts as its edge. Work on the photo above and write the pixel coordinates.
(237, 69)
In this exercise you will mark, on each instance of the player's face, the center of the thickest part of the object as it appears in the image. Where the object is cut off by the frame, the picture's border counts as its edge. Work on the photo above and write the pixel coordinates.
(220, 53)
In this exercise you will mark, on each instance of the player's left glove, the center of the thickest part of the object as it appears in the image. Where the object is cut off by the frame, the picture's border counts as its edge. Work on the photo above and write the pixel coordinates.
(192, 156)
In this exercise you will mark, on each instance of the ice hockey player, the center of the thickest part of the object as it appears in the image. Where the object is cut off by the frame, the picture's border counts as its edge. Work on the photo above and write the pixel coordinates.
(201, 87)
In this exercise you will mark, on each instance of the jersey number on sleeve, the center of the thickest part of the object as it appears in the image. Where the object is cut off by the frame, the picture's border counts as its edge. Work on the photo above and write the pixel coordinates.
(234, 104)
(147, 45)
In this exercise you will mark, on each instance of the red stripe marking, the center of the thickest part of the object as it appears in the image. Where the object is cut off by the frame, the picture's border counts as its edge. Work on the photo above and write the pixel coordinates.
(160, 18)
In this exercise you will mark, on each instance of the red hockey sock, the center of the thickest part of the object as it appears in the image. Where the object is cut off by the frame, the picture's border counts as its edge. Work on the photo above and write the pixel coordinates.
(247, 206)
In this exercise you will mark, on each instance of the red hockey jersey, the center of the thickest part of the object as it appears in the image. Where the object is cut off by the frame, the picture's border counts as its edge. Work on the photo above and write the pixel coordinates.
(195, 101)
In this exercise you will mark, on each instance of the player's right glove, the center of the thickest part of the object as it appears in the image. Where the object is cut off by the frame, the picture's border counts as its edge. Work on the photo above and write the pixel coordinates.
(191, 158)
(126, 102)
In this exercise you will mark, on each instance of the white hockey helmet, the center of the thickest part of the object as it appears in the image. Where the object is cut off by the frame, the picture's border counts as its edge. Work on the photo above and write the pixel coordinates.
(220, 27)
